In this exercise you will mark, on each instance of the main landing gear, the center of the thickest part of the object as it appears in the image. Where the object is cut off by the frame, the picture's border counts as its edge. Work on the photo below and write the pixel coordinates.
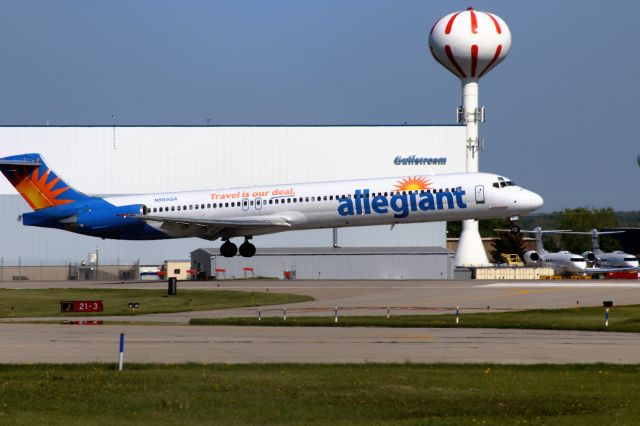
(228, 249)
(513, 225)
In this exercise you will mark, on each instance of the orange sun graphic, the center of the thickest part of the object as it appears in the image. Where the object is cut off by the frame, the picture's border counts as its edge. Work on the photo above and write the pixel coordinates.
(413, 184)
(38, 192)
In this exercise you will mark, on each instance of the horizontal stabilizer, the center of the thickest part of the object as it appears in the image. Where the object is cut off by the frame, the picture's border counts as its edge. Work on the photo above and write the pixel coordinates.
(12, 165)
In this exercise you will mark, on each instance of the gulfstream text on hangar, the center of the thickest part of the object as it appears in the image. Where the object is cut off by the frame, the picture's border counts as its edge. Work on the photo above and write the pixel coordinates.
(415, 160)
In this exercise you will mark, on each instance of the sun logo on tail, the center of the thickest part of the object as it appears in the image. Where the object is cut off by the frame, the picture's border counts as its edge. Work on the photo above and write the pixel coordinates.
(413, 184)
(39, 191)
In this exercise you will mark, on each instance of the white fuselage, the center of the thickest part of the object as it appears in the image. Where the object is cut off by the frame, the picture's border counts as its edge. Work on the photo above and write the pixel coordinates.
(616, 259)
(342, 203)
(564, 262)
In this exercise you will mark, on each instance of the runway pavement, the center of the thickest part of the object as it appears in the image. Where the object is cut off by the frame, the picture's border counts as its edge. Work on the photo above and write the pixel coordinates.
(32, 343)
(179, 342)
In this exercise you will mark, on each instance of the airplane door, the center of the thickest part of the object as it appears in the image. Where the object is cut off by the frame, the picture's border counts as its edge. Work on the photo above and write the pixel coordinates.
(479, 194)
(258, 203)
(245, 204)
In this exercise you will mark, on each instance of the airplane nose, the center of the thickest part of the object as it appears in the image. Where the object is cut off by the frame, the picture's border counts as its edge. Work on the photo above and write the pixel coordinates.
(529, 200)
(535, 200)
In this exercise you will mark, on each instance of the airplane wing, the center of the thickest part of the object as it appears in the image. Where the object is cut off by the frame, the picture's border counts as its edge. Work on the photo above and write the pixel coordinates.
(212, 229)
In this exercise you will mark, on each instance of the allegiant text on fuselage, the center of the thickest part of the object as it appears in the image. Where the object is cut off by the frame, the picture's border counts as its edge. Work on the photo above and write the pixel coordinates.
(401, 203)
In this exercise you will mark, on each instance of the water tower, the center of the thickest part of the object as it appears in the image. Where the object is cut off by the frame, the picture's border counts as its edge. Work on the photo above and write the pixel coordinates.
(470, 43)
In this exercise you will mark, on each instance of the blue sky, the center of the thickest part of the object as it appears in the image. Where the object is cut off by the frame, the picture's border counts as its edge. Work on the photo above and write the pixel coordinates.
(560, 108)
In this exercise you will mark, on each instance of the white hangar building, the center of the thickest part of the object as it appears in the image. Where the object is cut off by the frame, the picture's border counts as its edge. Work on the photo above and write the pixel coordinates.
(108, 160)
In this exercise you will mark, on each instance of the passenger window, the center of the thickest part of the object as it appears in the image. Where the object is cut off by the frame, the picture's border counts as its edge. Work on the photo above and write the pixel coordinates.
(173, 208)
(226, 204)
(251, 202)
(208, 205)
(306, 199)
(331, 197)
(178, 208)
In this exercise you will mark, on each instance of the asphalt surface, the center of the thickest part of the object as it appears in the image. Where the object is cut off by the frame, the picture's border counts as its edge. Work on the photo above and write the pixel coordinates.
(32, 343)
(173, 341)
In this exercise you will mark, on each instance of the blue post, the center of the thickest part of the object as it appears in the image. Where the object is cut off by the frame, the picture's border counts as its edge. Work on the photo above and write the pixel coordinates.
(121, 352)
(336, 314)
(606, 317)
(388, 311)
(259, 314)
(457, 314)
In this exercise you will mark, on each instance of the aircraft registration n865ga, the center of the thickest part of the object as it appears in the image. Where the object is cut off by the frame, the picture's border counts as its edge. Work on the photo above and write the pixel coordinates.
(259, 210)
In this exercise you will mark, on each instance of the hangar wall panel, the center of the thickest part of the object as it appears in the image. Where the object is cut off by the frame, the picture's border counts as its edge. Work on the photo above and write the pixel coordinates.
(139, 159)
(377, 264)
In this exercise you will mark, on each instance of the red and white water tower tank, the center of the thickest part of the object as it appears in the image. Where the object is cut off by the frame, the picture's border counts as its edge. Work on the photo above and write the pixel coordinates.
(470, 43)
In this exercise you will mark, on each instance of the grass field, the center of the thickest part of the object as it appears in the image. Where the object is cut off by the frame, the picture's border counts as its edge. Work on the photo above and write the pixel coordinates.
(621, 318)
(46, 302)
(372, 394)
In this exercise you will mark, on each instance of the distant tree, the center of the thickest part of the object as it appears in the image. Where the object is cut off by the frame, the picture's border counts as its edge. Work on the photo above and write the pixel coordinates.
(454, 228)
(585, 219)
(507, 243)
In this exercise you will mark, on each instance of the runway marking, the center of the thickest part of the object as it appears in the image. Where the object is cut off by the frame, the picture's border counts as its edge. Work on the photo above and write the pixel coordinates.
(558, 285)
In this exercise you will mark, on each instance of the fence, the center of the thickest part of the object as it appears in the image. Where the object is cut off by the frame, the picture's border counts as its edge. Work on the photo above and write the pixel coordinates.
(75, 272)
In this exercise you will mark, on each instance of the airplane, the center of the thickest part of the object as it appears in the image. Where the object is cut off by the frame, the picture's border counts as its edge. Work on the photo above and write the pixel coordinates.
(258, 210)
(562, 262)
(616, 259)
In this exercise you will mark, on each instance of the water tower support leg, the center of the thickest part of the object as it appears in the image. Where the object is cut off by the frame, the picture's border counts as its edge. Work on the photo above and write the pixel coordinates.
(470, 251)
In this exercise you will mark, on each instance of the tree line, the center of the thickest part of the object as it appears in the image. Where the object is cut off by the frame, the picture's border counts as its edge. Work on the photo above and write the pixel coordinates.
(578, 219)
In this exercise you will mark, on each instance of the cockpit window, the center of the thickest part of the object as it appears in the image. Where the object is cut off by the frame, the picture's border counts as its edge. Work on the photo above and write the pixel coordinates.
(502, 182)
(630, 259)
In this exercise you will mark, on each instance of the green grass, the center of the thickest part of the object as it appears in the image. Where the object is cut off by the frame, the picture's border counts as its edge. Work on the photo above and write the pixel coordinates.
(371, 394)
(621, 318)
(46, 302)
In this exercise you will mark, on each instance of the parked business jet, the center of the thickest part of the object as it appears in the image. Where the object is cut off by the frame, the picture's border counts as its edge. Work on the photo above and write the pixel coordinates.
(562, 262)
(258, 210)
(616, 259)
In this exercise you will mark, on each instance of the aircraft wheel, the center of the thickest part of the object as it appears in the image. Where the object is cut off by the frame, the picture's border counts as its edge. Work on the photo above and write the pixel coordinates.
(228, 249)
(247, 249)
